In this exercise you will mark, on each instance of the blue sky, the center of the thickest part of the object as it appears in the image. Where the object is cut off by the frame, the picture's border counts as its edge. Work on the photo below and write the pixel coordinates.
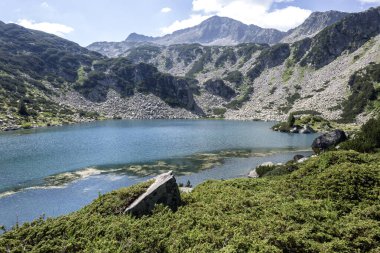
(87, 21)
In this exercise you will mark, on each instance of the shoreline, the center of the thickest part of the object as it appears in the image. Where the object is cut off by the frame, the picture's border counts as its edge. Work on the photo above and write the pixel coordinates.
(202, 161)
(20, 128)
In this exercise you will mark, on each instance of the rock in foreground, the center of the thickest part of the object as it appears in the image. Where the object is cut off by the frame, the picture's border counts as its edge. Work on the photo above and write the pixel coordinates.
(163, 191)
(328, 140)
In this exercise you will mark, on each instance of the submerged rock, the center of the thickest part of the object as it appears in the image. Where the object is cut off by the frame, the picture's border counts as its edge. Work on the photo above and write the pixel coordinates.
(164, 190)
(328, 140)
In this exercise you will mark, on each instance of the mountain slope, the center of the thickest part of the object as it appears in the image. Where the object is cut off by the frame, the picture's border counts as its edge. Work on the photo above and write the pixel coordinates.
(315, 23)
(39, 70)
(292, 77)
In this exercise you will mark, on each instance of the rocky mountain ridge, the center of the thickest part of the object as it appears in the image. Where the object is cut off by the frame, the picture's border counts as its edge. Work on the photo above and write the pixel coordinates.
(223, 31)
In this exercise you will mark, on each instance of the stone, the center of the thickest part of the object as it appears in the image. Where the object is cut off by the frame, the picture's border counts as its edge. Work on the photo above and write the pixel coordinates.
(253, 174)
(303, 160)
(328, 140)
(267, 164)
(296, 158)
(307, 130)
(294, 130)
(164, 191)
(185, 189)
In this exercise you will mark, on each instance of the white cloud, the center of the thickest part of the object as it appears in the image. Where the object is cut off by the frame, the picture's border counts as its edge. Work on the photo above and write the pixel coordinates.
(257, 12)
(166, 10)
(181, 24)
(45, 5)
(54, 28)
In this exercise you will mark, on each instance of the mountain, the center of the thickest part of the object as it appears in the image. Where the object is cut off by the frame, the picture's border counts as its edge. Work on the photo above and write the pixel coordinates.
(315, 23)
(47, 80)
(223, 31)
(213, 31)
(306, 75)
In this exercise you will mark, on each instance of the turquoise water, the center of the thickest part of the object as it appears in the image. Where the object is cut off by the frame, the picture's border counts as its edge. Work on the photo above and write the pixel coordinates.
(28, 157)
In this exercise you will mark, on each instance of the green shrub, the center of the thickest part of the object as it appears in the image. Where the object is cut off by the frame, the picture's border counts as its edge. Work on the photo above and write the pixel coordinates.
(235, 77)
(363, 92)
(367, 139)
(219, 111)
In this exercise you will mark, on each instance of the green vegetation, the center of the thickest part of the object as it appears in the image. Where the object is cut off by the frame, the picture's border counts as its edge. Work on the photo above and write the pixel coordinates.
(285, 126)
(199, 65)
(219, 111)
(301, 118)
(269, 58)
(327, 204)
(22, 108)
(235, 77)
(289, 69)
(246, 50)
(31, 64)
(227, 55)
(314, 121)
(143, 53)
(364, 85)
(367, 139)
(187, 53)
(246, 91)
(293, 98)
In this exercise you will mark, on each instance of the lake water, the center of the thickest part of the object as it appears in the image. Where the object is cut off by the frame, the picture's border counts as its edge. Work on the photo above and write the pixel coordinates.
(34, 164)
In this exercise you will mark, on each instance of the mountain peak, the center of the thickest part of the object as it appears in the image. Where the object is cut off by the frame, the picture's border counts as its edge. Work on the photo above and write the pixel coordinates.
(135, 37)
(315, 23)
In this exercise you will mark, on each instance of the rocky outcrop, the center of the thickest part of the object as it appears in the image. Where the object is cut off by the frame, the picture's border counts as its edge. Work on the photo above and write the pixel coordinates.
(347, 35)
(164, 191)
(328, 140)
(253, 174)
(315, 23)
(219, 88)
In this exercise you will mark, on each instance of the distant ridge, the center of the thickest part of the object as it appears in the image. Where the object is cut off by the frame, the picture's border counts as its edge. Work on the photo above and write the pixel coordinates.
(223, 31)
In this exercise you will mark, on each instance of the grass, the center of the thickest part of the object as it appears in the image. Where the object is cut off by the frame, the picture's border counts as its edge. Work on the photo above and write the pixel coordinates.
(328, 204)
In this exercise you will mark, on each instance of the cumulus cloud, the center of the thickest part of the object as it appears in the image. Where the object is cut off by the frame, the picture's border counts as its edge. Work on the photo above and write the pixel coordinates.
(257, 12)
(54, 28)
(166, 10)
(181, 24)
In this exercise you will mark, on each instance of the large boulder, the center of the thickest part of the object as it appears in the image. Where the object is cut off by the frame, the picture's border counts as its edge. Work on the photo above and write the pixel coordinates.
(328, 140)
(164, 190)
